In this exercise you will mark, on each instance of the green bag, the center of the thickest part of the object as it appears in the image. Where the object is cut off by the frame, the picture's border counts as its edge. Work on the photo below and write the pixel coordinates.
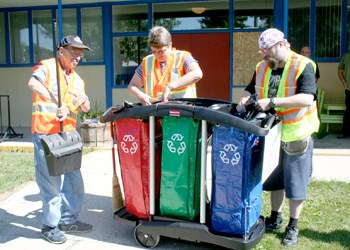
(180, 175)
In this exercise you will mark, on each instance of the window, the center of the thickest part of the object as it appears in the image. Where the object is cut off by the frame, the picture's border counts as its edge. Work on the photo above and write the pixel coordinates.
(328, 30)
(2, 39)
(69, 22)
(192, 15)
(299, 24)
(92, 36)
(19, 37)
(250, 14)
(129, 18)
(42, 35)
(128, 50)
(127, 54)
(348, 29)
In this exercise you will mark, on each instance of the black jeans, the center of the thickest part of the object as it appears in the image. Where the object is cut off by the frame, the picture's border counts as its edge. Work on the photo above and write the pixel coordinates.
(346, 118)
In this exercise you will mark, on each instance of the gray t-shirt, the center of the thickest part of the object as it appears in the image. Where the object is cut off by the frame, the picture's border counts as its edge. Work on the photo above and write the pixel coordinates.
(41, 74)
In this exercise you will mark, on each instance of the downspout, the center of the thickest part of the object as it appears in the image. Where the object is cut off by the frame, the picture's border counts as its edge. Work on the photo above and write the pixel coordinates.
(60, 28)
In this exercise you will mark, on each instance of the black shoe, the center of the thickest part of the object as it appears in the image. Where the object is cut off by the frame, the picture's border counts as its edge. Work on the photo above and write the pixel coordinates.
(271, 225)
(76, 227)
(53, 235)
(290, 237)
(343, 136)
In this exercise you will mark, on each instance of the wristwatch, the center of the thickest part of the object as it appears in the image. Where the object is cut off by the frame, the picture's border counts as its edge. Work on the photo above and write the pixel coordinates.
(272, 103)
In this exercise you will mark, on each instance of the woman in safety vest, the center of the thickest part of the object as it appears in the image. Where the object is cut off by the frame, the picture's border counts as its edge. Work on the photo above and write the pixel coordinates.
(165, 74)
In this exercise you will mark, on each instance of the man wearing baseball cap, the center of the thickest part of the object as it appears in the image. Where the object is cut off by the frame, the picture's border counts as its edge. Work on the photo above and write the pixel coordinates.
(62, 196)
(284, 82)
(73, 41)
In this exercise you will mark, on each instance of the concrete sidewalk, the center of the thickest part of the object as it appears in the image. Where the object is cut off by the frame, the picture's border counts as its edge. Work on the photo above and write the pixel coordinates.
(20, 223)
(19, 212)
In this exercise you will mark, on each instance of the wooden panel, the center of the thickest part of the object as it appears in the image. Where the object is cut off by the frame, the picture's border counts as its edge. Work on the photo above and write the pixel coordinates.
(245, 56)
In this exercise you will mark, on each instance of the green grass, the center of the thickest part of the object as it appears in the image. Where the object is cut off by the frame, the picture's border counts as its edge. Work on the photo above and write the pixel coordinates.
(324, 222)
(17, 167)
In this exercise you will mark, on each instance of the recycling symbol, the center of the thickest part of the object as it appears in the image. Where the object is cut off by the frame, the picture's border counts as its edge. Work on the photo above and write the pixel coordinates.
(228, 150)
(128, 145)
(182, 145)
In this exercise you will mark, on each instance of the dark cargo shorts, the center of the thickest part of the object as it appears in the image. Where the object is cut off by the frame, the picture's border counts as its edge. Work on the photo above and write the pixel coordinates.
(292, 174)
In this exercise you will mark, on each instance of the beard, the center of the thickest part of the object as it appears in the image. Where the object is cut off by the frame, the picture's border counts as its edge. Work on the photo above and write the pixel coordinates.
(274, 61)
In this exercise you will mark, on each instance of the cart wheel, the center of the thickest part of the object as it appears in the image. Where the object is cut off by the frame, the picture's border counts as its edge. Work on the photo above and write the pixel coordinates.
(145, 239)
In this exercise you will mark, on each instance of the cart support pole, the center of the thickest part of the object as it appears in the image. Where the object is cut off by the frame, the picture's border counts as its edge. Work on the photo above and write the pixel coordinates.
(203, 172)
(152, 165)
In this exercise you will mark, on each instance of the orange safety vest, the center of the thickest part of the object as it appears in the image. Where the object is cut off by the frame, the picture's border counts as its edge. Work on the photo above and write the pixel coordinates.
(155, 82)
(297, 123)
(44, 111)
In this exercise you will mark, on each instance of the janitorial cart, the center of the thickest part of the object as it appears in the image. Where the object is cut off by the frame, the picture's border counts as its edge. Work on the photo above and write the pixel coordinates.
(192, 169)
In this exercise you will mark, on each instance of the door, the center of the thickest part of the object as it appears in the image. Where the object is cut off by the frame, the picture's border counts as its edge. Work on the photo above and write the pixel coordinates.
(213, 54)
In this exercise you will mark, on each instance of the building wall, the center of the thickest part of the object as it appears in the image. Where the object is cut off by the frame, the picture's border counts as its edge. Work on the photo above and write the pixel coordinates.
(13, 82)
(329, 81)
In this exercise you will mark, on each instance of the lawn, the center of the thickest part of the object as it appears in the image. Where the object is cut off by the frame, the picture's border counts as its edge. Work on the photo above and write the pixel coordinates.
(325, 219)
(17, 167)
(324, 224)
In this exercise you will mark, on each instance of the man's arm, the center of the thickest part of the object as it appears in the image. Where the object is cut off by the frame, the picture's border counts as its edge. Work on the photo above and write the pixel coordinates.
(245, 97)
(134, 90)
(341, 75)
(193, 75)
(41, 90)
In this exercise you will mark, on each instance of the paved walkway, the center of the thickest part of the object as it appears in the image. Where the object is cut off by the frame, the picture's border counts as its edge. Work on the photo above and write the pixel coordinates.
(19, 212)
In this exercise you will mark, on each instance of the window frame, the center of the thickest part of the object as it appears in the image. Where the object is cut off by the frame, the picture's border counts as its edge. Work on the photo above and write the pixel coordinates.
(53, 9)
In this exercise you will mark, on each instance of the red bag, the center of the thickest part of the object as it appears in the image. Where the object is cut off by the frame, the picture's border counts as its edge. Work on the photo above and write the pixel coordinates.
(133, 149)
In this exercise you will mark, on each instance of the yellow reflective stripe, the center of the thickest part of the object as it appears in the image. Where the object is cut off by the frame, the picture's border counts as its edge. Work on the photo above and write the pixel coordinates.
(44, 107)
(290, 75)
(149, 65)
(50, 109)
(176, 71)
(71, 117)
(290, 115)
(263, 74)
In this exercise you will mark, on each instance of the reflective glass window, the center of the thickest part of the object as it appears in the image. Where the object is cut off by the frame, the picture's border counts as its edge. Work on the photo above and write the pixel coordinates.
(91, 25)
(299, 24)
(69, 22)
(2, 39)
(129, 18)
(19, 37)
(42, 35)
(328, 39)
(249, 14)
(192, 15)
(127, 54)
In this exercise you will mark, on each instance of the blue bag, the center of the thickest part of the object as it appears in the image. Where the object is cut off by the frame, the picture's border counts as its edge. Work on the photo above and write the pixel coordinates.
(237, 187)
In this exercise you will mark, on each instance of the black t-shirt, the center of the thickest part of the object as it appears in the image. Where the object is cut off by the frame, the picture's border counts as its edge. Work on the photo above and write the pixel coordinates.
(305, 83)
(317, 74)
